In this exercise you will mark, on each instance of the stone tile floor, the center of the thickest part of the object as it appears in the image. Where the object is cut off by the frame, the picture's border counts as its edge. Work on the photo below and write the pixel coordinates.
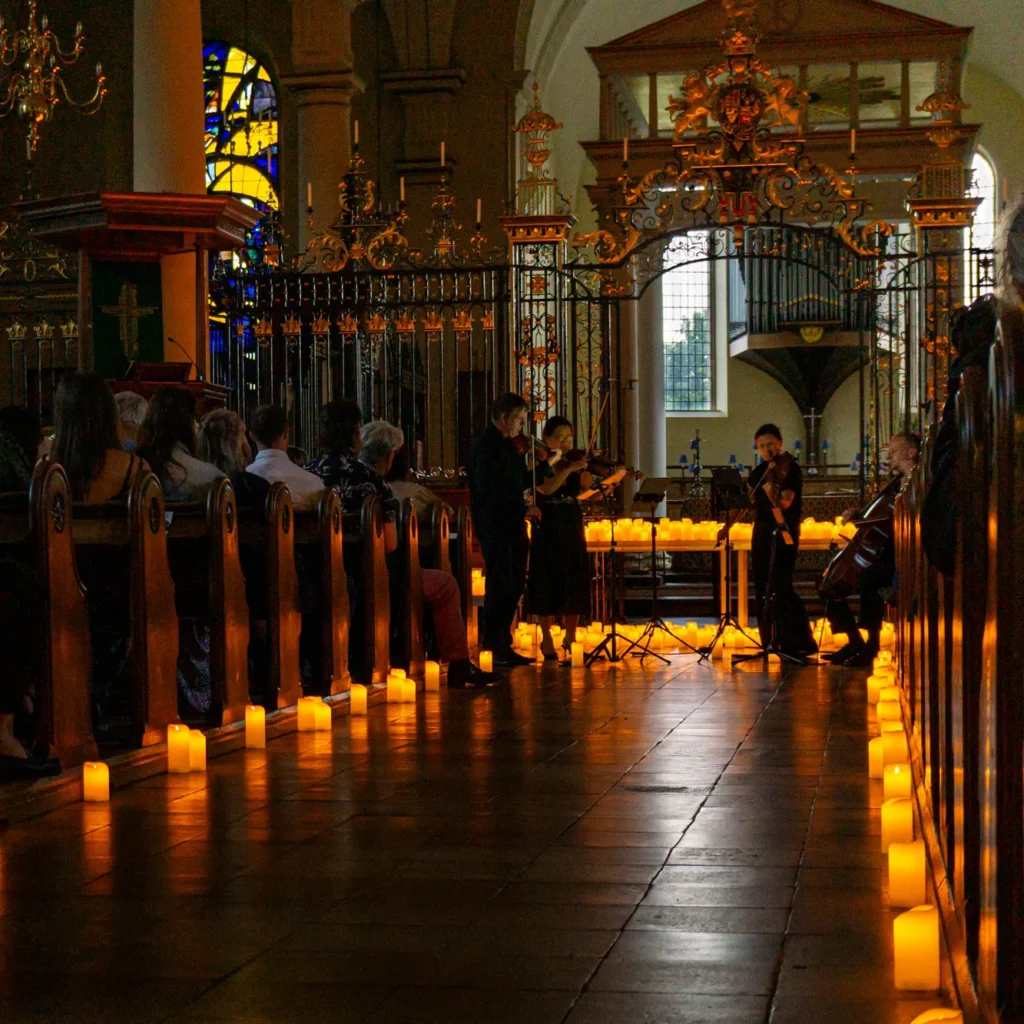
(670, 846)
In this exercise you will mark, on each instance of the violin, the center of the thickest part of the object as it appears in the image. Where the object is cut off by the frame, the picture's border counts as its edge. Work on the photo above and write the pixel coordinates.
(775, 475)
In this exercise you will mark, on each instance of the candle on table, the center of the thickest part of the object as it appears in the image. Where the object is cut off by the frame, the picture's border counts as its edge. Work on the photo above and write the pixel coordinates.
(255, 727)
(897, 781)
(907, 876)
(95, 781)
(177, 748)
(408, 691)
(916, 947)
(309, 195)
(487, 661)
(897, 822)
(357, 699)
(433, 677)
(394, 692)
(888, 710)
(197, 750)
(876, 758)
(307, 713)
(577, 654)
(322, 717)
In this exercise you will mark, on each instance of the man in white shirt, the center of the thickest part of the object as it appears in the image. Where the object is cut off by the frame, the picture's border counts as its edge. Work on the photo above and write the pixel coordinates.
(269, 425)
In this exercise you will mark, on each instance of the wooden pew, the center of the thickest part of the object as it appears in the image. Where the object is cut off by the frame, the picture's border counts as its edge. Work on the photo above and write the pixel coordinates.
(320, 536)
(365, 562)
(140, 528)
(204, 557)
(462, 568)
(35, 530)
(434, 540)
(270, 535)
(407, 595)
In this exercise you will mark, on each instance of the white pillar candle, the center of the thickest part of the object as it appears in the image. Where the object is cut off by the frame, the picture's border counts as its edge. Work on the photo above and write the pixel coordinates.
(95, 781)
(889, 692)
(876, 761)
(395, 688)
(894, 745)
(255, 727)
(916, 948)
(322, 717)
(875, 684)
(196, 750)
(357, 699)
(897, 781)
(907, 874)
(433, 677)
(177, 748)
(487, 661)
(888, 711)
(577, 654)
(897, 822)
(307, 713)
(408, 691)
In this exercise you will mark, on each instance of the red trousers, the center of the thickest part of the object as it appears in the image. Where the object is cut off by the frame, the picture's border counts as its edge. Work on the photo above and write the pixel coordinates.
(441, 592)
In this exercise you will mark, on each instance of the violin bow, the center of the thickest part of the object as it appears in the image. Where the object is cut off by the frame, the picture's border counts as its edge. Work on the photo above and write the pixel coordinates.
(597, 425)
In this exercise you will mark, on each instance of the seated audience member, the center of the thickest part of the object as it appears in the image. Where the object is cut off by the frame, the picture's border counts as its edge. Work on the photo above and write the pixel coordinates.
(167, 441)
(131, 412)
(269, 425)
(19, 445)
(423, 498)
(224, 444)
(86, 442)
(355, 461)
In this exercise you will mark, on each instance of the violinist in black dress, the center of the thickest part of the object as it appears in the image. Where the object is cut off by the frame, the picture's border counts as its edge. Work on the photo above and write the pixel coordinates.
(559, 579)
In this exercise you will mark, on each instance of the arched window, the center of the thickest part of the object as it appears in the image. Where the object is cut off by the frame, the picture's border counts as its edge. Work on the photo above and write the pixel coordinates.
(984, 177)
(241, 126)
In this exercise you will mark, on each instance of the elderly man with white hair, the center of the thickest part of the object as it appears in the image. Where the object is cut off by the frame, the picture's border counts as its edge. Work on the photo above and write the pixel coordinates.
(131, 412)
(356, 464)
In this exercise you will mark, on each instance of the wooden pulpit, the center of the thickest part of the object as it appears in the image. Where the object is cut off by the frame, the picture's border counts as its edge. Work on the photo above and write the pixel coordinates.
(147, 379)
(121, 238)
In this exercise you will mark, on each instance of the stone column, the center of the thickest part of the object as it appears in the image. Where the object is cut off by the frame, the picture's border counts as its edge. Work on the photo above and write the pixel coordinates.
(323, 84)
(168, 141)
(651, 381)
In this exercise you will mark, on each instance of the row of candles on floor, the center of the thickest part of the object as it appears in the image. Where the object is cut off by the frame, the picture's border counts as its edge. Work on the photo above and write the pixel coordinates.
(916, 942)
(676, 531)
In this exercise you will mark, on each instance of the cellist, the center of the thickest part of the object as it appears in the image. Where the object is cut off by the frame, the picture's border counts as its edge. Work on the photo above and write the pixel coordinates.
(874, 579)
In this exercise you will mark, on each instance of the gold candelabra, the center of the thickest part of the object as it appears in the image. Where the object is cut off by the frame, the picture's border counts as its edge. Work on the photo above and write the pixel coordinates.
(34, 91)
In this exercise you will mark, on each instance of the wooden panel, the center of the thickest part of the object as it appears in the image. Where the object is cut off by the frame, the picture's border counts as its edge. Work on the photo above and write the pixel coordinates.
(154, 619)
(285, 613)
(407, 595)
(434, 540)
(462, 567)
(65, 718)
(376, 591)
(335, 617)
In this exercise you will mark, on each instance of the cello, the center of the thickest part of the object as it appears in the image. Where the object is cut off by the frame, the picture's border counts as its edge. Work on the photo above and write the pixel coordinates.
(874, 532)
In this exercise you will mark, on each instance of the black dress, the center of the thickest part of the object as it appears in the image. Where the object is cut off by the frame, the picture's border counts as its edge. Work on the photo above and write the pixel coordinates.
(559, 580)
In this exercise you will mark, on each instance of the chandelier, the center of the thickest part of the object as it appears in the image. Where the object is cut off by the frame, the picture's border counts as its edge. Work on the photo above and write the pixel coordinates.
(34, 91)
(739, 160)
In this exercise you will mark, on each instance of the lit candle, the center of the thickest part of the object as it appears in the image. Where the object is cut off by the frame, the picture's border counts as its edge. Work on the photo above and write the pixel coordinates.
(433, 677)
(853, 142)
(357, 699)
(897, 781)
(889, 692)
(309, 195)
(196, 750)
(408, 691)
(876, 759)
(355, 134)
(940, 1013)
(486, 661)
(875, 684)
(394, 688)
(255, 727)
(577, 654)
(322, 717)
(479, 210)
(307, 713)
(442, 153)
(897, 822)
(479, 586)
(625, 150)
(581, 634)
(888, 710)
(907, 875)
(916, 947)
(177, 748)
(884, 658)
(401, 189)
(894, 746)
(95, 781)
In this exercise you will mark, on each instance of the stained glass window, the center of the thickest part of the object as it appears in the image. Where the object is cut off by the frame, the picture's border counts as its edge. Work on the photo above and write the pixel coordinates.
(241, 126)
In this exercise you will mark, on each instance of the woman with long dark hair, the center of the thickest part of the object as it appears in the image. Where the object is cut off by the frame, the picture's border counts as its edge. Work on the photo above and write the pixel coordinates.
(87, 443)
(167, 441)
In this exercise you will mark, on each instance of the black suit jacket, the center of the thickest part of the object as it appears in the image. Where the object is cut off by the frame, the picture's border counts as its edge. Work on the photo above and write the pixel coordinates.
(497, 479)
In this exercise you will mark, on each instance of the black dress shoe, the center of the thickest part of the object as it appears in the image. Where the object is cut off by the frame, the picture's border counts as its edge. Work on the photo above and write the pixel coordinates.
(862, 659)
(26, 769)
(468, 674)
(838, 657)
(509, 659)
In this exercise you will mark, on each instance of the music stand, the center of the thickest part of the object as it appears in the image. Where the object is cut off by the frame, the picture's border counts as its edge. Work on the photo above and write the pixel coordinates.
(728, 494)
(643, 642)
(609, 646)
